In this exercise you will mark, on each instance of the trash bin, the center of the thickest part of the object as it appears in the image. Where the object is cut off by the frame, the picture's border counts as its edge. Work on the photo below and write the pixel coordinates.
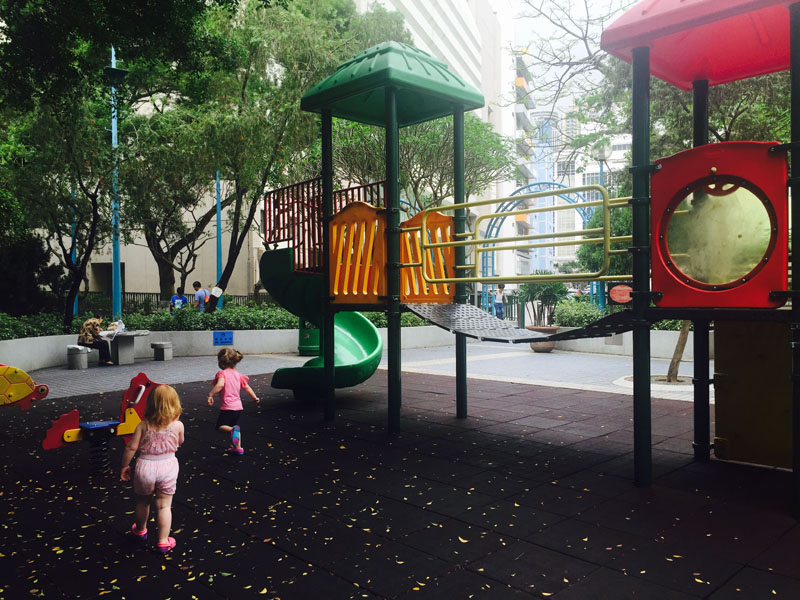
(308, 344)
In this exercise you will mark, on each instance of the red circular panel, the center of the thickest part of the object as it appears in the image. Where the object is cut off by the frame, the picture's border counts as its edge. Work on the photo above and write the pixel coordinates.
(734, 255)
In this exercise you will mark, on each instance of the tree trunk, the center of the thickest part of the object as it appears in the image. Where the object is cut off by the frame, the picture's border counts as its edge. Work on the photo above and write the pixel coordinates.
(166, 279)
(672, 372)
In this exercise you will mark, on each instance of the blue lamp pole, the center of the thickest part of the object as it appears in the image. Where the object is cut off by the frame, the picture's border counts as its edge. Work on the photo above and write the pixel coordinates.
(219, 238)
(116, 76)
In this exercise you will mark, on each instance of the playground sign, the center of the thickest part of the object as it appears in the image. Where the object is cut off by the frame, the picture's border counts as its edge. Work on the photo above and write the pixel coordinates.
(620, 293)
(223, 338)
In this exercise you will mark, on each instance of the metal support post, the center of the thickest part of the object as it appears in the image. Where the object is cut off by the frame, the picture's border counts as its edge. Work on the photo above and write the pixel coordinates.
(642, 435)
(326, 330)
(460, 226)
(393, 258)
(794, 194)
(701, 380)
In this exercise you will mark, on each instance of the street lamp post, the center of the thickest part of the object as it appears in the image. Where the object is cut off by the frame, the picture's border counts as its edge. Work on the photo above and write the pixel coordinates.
(115, 76)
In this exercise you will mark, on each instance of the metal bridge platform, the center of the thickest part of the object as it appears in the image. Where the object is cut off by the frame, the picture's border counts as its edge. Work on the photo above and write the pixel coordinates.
(474, 322)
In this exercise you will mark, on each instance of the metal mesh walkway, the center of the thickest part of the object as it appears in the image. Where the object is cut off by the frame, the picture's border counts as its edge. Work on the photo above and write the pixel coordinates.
(618, 322)
(476, 323)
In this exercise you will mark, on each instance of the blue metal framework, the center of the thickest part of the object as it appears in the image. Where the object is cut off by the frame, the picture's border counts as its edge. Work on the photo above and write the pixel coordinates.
(495, 224)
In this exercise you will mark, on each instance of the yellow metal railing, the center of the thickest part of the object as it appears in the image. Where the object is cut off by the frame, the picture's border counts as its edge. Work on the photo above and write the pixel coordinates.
(414, 284)
(536, 240)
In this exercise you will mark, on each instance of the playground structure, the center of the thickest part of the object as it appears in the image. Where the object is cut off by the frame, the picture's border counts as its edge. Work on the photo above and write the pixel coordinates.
(68, 428)
(708, 206)
(713, 236)
(333, 253)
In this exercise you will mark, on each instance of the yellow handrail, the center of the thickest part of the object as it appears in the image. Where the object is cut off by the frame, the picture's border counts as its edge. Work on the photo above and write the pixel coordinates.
(490, 245)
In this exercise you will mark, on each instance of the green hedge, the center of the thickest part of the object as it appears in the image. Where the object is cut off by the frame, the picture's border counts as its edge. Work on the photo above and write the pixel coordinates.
(569, 313)
(573, 313)
(230, 318)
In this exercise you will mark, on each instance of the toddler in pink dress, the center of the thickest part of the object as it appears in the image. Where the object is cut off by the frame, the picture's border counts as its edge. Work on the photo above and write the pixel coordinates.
(157, 438)
(230, 382)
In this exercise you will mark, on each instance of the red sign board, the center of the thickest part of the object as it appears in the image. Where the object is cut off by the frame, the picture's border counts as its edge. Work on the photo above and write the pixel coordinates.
(621, 294)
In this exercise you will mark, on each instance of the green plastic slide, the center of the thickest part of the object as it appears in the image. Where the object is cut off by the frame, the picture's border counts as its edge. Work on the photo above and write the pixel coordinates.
(357, 344)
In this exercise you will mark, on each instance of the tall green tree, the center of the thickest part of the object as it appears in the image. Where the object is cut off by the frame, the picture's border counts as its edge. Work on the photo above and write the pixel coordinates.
(167, 180)
(61, 175)
(426, 158)
(51, 50)
(255, 123)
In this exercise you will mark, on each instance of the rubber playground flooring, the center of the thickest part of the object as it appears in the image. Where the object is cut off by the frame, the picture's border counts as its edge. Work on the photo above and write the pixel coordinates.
(531, 496)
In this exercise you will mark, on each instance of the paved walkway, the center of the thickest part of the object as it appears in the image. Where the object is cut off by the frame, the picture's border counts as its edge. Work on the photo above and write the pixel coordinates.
(489, 361)
(529, 497)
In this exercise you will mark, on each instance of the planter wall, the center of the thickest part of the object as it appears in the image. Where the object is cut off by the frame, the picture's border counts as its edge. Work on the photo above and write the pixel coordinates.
(662, 344)
(30, 354)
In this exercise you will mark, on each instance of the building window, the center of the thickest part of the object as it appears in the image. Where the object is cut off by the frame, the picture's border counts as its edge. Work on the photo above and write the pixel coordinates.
(565, 168)
(592, 179)
(620, 147)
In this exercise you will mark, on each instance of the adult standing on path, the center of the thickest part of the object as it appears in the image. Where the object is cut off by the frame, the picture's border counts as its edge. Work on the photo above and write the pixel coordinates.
(499, 296)
(200, 296)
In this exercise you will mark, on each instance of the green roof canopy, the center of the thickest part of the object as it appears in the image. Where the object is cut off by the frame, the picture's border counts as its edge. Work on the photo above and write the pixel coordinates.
(426, 89)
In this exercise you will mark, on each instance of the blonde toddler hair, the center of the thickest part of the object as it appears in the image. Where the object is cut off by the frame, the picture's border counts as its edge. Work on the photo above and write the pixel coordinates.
(163, 406)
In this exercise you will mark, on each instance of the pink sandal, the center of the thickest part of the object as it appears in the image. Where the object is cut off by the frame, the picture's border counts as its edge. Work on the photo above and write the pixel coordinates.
(164, 548)
(142, 535)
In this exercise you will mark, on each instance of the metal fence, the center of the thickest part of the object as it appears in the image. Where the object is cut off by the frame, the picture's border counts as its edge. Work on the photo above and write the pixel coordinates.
(513, 308)
(99, 303)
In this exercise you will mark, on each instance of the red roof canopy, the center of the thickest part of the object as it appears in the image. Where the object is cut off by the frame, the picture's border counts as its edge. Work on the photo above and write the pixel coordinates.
(717, 40)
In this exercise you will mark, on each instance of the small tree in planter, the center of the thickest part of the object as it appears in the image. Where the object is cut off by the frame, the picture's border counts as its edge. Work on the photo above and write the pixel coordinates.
(539, 299)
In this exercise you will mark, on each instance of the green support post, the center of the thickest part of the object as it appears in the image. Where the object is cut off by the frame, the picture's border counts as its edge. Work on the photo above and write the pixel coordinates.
(460, 226)
(393, 258)
(642, 435)
(794, 194)
(329, 402)
(701, 380)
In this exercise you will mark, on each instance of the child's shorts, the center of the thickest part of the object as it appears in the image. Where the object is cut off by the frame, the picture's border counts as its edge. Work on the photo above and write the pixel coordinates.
(155, 475)
(228, 417)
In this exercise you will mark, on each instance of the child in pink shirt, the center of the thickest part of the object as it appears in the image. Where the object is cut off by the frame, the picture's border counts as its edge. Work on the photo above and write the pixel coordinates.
(230, 382)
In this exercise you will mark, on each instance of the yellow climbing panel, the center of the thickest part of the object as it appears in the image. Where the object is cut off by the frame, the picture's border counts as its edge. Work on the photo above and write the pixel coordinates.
(358, 255)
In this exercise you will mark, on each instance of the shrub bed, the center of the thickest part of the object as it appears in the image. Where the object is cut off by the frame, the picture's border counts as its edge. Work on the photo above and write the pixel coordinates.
(230, 318)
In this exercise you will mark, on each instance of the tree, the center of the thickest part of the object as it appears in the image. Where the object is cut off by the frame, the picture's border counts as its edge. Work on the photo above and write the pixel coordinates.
(32, 272)
(567, 60)
(255, 122)
(540, 299)
(426, 158)
(167, 181)
(50, 50)
(590, 256)
(60, 173)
